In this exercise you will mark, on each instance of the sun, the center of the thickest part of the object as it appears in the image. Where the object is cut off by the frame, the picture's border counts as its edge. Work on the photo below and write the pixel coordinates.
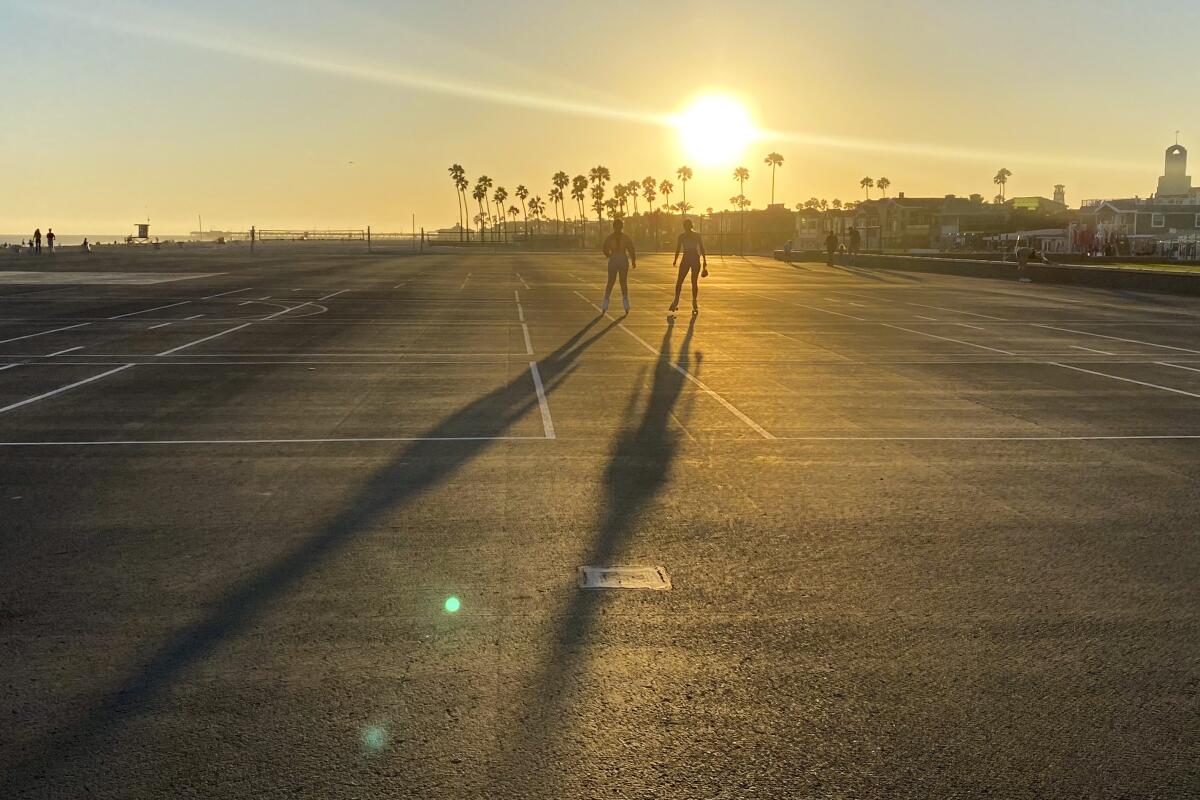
(715, 130)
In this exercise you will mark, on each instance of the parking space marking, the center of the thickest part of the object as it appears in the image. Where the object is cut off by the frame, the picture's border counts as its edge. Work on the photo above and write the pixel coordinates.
(62, 352)
(528, 343)
(1115, 338)
(62, 389)
(235, 291)
(543, 404)
(43, 333)
(345, 440)
(148, 310)
(1089, 349)
(1098, 438)
(1176, 366)
(699, 383)
(200, 341)
(1126, 380)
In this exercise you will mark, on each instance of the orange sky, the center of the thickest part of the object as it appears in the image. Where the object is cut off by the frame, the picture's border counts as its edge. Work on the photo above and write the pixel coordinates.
(349, 114)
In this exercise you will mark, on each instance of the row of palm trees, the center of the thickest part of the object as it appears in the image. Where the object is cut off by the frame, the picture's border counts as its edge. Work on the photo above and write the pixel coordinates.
(595, 185)
(493, 214)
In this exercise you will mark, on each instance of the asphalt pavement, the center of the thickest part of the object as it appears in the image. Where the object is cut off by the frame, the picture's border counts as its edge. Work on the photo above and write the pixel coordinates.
(927, 536)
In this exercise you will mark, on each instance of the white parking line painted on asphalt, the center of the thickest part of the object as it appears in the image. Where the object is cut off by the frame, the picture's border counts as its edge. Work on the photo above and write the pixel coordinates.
(1126, 380)
(160, 325)
(543, 404)
(235, 291)
(8, 366)
(194, 316)
(1089, 349)
(986, 438)
(919, 316)
(948, 339)
(699, 383)
(347, 440)
(199, 341)
(63, 352)
(972, 327)
(957, 311)
(148, 310)
(1115, 338)
(1176, 366)
(464, 283)
(528, 343)
(62, 389)
(326, 297)
(43, 333)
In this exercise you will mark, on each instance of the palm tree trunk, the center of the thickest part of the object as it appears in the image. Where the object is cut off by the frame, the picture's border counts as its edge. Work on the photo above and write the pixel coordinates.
(772, 184)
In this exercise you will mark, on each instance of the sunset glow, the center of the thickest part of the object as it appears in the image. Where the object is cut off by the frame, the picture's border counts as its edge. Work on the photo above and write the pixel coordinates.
(715, 130)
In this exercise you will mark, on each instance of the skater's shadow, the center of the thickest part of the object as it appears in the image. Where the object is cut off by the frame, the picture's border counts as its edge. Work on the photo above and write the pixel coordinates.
(418, 468)
(638, 470)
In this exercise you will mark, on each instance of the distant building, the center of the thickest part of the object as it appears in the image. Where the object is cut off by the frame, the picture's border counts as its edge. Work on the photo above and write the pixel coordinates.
(1175, 182)
(1161, 223)
(1060, 194)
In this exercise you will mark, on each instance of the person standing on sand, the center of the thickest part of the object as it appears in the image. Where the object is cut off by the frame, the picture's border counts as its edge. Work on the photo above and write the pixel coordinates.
(621, 257)
(50, 241)
(37, 241)
(831, 245)
(692, 248)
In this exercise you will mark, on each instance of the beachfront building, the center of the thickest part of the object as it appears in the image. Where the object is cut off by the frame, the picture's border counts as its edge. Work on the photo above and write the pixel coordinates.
(1167, 223)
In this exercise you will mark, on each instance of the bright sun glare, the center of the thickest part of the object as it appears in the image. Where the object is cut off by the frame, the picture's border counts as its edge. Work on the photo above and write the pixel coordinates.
(715, 130)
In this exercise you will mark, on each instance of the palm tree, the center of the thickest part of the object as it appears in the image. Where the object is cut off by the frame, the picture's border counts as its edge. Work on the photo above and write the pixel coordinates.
(683, 206)
(500, 195)
(648, 186)
(537, 208)
(457, 174)
(463, 184)
(741, 175)
(631, 191)
(480, 195)
(513, 211)
(773, 160)
(620, 195)
(599, 176)
(824, 205)
(613, 207)
(665, 188)
(684, 174)
(866, 184)
(998, 199)
(579, 185)
(836, 204)
(812, 204)
(522, 193)
(597, 193)
(556, 197)
(1001, 180)
(561, 181)
(484, 183)
(882, 184)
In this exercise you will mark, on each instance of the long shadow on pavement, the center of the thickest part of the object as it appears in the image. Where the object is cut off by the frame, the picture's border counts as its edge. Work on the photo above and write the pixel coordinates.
(638, 470)
(421, 466)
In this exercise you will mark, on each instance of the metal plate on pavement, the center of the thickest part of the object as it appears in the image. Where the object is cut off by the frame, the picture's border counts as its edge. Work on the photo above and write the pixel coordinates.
(652, 578)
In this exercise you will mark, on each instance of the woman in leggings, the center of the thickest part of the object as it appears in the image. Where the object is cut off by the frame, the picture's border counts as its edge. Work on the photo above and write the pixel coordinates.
(621, 256)
(692, 249)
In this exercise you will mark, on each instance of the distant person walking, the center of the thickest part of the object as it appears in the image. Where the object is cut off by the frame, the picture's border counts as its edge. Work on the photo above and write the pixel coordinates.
(695, 261)
(37, 241)
(50, 240)
(618, 247)
(855, 243)
(831, 246)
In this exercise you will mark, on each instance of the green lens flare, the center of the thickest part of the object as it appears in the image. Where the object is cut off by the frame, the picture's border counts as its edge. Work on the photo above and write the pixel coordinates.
(374, 738)
(452, 605)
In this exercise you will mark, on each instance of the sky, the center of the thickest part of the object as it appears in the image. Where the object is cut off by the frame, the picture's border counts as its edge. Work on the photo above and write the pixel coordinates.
(331, 114)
